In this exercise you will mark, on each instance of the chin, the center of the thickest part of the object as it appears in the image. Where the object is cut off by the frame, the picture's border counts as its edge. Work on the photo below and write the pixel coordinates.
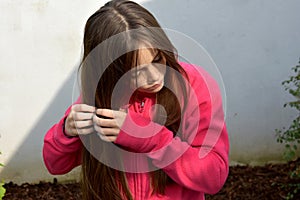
(158, 89)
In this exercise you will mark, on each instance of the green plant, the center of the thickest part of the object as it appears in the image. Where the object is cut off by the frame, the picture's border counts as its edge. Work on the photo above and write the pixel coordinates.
(2, 189)
(291, 136)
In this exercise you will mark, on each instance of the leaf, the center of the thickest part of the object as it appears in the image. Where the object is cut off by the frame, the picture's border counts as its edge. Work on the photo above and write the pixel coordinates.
(2, 190)
(295, 147)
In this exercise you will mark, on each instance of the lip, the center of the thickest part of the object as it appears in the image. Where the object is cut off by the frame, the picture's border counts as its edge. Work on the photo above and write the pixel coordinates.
(155, 86)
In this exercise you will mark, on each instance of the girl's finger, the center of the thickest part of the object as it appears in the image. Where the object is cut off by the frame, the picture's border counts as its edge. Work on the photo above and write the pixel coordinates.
(117, 117)
(110, 131)
(107, 138)
(104, 122)
(106, 131)
(105, 112)
(83, 108)
(78, 116)
(83, 124)
(85, 131)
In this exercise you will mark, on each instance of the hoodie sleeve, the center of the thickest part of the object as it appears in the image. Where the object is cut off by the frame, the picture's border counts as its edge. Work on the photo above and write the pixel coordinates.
(197, 157)
(61, 153)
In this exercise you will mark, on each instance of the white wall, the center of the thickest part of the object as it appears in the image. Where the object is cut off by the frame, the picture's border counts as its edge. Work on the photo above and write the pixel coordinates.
(254, 43)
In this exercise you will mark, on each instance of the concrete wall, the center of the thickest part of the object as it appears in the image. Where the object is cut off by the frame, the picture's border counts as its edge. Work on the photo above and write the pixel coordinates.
(254, 44)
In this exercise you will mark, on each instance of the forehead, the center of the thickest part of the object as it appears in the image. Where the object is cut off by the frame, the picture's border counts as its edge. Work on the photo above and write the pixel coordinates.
(146, 55)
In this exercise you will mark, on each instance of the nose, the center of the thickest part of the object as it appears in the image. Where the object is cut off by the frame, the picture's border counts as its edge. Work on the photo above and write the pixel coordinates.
(152, 74)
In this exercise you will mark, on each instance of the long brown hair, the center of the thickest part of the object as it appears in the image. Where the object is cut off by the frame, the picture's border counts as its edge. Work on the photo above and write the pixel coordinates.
(99, 180)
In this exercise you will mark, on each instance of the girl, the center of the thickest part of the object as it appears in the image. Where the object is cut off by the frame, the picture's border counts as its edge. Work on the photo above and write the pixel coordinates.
(145, 126)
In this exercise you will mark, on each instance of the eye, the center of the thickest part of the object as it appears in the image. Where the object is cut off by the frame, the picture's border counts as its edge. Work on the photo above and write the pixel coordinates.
(137, 72)
(157, 58)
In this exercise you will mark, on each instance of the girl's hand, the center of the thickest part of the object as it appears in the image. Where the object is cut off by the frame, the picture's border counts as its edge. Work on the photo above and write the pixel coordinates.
(80, 120)
(109, 123)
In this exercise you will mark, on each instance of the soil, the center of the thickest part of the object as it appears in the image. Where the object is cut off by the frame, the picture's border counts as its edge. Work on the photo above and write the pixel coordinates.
(244, 182)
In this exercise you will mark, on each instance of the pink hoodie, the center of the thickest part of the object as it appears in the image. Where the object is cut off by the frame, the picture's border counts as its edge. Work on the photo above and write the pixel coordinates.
(196, 161)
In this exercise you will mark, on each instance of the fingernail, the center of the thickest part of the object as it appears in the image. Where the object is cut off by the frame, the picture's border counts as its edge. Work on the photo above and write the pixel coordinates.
(124, 108)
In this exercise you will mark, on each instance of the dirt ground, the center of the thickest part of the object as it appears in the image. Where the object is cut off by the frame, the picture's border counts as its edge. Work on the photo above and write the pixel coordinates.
(244, 182)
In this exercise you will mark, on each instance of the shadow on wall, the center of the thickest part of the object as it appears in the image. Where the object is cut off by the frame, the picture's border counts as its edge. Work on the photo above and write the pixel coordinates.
(26, 165)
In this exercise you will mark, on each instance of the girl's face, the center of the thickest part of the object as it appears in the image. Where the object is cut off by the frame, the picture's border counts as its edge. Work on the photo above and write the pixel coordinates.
(149, 74)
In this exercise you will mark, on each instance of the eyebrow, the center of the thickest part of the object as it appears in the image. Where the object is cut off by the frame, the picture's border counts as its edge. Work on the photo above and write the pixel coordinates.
(156, 55)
